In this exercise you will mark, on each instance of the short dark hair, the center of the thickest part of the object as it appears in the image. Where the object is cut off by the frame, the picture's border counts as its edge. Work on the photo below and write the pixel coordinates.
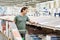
(24, 8)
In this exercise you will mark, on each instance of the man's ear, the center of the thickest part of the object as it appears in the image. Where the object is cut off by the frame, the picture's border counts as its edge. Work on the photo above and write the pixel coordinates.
(23, 10)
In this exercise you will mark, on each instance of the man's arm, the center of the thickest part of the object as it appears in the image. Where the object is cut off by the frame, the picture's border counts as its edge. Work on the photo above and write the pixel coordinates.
(31, 22)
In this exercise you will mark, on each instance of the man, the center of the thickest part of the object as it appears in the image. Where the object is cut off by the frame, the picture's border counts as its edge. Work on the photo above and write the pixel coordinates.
(3, 23)
(20, 21)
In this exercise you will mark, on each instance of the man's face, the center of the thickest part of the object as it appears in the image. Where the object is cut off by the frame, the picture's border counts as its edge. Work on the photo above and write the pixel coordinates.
(25, 11)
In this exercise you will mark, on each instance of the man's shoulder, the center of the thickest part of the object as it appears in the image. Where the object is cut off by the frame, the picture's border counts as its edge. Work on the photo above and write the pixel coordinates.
(26, 16)
(17, 16)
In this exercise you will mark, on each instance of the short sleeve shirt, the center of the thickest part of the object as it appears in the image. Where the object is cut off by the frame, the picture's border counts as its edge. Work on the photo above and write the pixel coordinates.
(20, 21)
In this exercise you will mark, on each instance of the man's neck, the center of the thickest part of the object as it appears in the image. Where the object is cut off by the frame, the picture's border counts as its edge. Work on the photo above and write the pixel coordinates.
(22, 14)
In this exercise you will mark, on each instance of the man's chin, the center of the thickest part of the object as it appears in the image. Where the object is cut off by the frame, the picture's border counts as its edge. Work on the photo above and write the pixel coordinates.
(25, 13)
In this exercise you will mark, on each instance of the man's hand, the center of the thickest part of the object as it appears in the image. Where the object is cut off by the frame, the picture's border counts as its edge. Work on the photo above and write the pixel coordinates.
(32, 22)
